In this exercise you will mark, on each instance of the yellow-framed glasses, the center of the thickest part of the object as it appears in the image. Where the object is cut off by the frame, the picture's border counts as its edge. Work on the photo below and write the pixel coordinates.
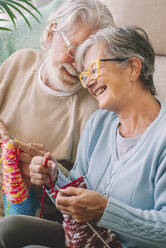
(94, 70)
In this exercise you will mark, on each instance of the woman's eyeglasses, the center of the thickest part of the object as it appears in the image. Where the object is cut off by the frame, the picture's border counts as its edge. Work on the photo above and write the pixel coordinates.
(94, 70)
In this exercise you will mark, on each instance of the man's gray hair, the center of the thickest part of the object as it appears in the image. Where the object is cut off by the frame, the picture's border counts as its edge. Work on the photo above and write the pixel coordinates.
(123, 42)
(92, 12)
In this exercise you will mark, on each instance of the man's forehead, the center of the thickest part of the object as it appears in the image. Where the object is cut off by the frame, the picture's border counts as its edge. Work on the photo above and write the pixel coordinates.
(79, 29)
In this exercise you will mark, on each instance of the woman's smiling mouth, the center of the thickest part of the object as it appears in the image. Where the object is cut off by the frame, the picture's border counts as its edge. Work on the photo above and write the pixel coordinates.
(98, 91)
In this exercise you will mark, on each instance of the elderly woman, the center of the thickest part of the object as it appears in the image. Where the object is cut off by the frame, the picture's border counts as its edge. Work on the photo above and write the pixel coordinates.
(121, 153)
(122, 150)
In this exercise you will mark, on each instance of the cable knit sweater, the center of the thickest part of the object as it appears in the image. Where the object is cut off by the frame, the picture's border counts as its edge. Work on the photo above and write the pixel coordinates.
(33, 114)
(135, 184)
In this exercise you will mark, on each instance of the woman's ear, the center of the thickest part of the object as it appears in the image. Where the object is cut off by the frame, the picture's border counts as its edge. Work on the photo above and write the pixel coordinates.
(135, 68)
(51, 31)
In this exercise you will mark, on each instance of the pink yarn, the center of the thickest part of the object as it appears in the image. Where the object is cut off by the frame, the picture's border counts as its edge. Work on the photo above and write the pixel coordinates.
(13, 184)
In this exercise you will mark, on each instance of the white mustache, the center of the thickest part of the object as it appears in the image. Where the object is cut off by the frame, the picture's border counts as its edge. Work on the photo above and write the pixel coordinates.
(70, 68)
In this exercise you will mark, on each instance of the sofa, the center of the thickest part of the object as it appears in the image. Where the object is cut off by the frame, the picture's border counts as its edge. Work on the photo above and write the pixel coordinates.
(148, 14)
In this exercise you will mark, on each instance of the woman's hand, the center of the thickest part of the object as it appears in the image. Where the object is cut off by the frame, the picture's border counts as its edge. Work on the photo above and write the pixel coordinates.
(39, 174)
(82, 204)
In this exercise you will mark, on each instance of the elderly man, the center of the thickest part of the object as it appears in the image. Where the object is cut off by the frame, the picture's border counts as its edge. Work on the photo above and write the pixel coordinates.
(42, 101)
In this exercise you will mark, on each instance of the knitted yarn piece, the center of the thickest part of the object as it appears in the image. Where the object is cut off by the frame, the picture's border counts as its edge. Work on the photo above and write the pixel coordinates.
(29, 207)
(13, 184)
(86, 235)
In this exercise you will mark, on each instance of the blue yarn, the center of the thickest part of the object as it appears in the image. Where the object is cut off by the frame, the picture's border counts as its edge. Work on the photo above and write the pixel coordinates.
(27, 207)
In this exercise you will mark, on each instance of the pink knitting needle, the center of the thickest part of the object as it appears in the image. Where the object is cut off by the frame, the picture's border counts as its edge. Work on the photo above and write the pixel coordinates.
(46, 157)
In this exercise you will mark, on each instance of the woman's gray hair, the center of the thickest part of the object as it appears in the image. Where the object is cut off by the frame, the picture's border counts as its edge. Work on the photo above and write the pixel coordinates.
(92, 12)
(123, 42)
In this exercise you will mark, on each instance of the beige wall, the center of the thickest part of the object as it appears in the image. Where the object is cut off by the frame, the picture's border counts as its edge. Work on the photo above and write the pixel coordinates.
(148, 14)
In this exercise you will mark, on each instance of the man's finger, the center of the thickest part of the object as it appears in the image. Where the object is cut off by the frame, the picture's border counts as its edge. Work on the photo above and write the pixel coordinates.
(38, 146)
(39, 168)
(24, 157)
(37, 176)
(25, 169)
(39, 182)
(29, 149)
(37, 160)
(22, 146)
(3, 130)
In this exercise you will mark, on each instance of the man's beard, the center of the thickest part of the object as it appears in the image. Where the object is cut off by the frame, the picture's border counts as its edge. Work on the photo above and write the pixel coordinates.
(62, 76)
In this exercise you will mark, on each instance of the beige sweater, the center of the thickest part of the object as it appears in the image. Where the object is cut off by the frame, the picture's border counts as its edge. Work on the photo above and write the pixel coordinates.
(34, 115)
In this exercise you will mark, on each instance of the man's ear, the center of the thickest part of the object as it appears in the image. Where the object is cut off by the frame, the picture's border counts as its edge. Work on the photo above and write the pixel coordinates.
(51, 31)
(135, 68)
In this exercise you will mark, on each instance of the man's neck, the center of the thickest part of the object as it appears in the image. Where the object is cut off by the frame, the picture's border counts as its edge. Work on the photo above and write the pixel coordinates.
(45, 79)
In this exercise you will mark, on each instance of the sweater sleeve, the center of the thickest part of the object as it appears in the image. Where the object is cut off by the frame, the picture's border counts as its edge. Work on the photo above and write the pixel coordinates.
(145, 228)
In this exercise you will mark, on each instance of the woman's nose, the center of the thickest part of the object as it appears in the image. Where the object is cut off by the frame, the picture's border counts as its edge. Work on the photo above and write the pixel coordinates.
(90, 83)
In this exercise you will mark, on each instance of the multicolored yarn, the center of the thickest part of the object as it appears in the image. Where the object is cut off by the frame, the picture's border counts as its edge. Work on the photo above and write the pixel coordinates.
(29, 207)
(85, 234)
(13, 184)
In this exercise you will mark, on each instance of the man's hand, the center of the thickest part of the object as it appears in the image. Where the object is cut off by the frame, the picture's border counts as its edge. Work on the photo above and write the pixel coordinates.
(27, 152)
(39, 174)
(3, 130)
(82, 204)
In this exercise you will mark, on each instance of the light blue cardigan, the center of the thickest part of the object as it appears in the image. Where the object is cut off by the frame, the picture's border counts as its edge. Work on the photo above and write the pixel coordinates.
(135, 185)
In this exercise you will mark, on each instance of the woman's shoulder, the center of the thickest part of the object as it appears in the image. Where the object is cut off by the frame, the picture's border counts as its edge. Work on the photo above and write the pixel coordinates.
(160, 122)
(101, 119)
(102, 114)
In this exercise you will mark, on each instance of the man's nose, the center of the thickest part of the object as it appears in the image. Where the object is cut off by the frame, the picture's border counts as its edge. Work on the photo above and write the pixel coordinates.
(68, 59)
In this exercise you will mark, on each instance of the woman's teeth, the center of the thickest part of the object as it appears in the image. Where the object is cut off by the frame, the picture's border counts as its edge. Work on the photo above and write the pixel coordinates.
(100, 90)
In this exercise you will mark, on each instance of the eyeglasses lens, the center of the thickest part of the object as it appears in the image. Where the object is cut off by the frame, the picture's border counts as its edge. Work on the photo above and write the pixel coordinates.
(94, 70)
(71, 51)
(83, 78)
